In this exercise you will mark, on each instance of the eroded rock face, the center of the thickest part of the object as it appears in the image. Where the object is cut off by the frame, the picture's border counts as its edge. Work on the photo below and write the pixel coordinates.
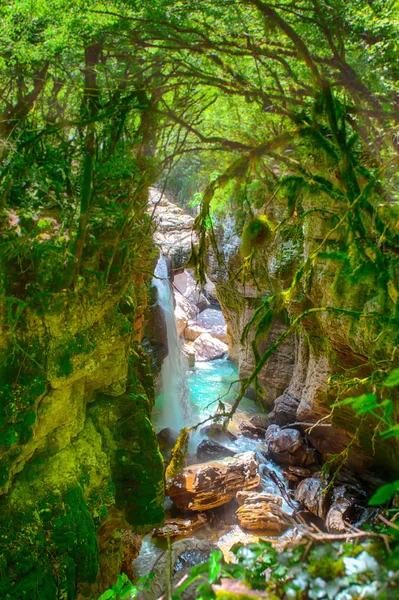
(174, 231)
(207, 347)
(208, 485)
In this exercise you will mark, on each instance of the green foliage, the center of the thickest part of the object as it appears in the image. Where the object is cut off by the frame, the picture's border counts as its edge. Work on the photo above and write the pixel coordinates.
(327, 571)
(125, 589)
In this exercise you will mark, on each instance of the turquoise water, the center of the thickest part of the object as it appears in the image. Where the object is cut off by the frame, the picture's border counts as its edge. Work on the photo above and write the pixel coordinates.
(207, 383)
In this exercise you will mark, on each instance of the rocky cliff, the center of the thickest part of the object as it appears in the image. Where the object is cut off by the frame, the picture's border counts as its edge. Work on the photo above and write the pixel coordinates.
(79, 459)
(334, 351)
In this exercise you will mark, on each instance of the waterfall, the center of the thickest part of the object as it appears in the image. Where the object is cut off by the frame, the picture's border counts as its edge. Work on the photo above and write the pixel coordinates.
(173, 372)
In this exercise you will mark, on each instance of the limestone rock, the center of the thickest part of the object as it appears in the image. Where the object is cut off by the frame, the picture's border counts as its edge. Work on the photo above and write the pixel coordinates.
(209, 449)
(184, 311)
(181, 526)
(260, 512)
(207, 485)
(185, 284)
(209, 321)
(207, 347)
(310, 493)
(174, 231)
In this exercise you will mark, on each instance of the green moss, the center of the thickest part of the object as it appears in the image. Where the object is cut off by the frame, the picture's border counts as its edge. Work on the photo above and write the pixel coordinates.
(256, 233)
(48, 547)
(78, 344)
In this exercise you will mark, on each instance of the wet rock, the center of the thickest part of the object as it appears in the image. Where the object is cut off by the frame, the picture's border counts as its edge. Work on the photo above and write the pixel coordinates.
(209, 321)
(260, 512)
(255, 427)
(310, 493)
(185, 554)
(209, 449)
(207, 485)
(286, 447)
(284, 410)
(207, 347)
(254, 497)
(181, 526)
(300, 472)
(283, 441)
(342, 503)
(167, 438)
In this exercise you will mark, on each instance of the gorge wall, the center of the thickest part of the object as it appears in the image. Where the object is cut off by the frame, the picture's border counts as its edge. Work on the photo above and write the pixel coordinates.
(79, 459)
(333, 351)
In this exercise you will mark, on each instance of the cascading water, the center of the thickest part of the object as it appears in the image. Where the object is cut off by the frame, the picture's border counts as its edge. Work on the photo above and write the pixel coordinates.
(175, 411)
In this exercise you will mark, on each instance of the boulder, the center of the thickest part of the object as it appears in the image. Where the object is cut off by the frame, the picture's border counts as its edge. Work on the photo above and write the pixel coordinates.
(342, 503)
(209, 450)
(207, 347)
(209, 321)
(187, 286)
(284, 410)
(286, 447)
(207, 485)
(180, 527)
(262, 512)
(184, 311)
(310, 493)
(167, 438)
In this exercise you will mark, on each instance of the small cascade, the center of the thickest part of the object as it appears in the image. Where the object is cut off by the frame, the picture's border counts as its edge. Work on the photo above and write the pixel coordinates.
(175, 410)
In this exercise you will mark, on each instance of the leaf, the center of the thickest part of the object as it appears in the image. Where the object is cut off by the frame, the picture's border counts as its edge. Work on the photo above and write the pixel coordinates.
(383, 494)
(215, 565)
(392, 379)
(107, 594)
